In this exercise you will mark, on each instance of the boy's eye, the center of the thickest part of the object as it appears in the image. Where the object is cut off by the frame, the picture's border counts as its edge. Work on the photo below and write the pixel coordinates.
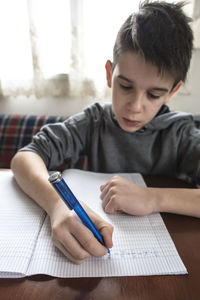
(124, 87)
(153, 96)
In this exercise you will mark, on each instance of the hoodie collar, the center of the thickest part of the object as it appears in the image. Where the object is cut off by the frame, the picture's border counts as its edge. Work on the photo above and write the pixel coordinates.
(165, 118)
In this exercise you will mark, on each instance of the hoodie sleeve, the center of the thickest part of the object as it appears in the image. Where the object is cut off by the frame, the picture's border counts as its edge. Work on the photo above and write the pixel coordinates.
(61, 142)
(66, 141)
(189, 150)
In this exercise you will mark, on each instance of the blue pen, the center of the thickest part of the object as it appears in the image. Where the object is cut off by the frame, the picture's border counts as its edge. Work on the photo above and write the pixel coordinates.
(70, 200)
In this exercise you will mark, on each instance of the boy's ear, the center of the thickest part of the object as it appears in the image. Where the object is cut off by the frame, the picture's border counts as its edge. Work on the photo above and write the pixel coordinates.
(108, 67)
(175, 89)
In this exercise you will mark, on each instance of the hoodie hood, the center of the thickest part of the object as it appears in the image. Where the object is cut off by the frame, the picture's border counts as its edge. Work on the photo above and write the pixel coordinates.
(166, 118)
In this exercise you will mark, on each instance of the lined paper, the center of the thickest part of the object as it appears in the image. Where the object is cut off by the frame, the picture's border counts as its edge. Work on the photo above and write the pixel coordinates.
(142, 245)
(21, 220)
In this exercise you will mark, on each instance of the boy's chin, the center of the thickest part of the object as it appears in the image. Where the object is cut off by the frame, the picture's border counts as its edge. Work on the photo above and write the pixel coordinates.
(129, 129)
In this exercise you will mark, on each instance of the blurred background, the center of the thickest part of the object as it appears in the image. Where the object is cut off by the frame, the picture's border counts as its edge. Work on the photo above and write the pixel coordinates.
(53, 53)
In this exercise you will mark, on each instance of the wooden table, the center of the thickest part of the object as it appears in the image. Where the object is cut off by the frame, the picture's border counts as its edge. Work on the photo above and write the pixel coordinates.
(185, 232)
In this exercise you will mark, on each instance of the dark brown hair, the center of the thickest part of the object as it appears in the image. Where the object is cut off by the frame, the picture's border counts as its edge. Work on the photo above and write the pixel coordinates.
(159, 31)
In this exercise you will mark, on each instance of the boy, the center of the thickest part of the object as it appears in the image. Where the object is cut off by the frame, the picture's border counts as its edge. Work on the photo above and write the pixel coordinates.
(137, 133)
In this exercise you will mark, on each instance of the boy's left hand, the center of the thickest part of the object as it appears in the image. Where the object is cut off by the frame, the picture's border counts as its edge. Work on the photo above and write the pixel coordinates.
(122, 195)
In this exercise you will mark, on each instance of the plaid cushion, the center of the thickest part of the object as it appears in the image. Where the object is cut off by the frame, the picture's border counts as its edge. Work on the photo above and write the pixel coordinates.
(16, 131)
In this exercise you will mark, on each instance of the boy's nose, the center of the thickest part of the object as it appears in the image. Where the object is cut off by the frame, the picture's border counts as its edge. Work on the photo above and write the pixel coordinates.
(136, 103)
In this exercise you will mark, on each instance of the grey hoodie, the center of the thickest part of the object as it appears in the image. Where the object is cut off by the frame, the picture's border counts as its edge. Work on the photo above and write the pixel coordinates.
(168, 145)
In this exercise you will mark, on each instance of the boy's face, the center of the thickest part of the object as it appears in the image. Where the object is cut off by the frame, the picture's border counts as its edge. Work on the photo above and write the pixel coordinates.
(138, 91)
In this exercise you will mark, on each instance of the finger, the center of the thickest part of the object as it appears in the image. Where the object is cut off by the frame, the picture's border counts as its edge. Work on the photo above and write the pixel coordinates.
(111, 194)
(88, 241)
(108, 185)
(112, 206)
(105, 200)
(107, 233)
(70, 246)
(105, 194)
(75, 259)
(105, 229)
(104, 189)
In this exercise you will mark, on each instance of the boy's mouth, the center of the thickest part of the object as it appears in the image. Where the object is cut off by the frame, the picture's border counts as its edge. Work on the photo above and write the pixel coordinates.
(131, 123)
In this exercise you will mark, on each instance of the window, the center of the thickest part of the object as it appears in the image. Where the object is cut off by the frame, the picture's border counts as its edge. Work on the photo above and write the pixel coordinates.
(59, 47)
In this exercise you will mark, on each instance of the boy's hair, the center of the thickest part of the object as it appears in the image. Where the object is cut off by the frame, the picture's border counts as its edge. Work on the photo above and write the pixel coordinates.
(160, 32)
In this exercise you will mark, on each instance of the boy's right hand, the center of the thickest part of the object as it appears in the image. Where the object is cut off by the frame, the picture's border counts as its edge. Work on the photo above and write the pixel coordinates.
(73, 238)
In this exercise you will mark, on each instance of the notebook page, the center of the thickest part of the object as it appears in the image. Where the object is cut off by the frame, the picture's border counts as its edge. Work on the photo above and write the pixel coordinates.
(142, 245)
(20, 222)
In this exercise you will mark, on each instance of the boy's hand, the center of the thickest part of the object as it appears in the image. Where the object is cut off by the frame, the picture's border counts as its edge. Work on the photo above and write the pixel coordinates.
(74, 239)
(122, 195)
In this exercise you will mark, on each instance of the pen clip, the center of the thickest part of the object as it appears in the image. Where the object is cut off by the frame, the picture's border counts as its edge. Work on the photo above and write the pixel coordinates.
(66, 194)
(63, 189)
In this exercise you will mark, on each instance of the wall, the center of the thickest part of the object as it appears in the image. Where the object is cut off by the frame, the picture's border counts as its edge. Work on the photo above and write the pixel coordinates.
(32, 106)
(188, 99)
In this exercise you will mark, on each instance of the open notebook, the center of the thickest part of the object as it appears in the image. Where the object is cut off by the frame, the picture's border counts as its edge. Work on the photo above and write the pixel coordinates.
(142, 245)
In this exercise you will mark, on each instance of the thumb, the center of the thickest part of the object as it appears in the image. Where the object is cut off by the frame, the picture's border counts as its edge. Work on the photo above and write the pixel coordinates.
(107, 232)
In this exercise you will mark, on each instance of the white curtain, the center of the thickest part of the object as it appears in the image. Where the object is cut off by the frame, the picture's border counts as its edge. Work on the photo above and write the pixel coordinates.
(59, 47)
(196, 23)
